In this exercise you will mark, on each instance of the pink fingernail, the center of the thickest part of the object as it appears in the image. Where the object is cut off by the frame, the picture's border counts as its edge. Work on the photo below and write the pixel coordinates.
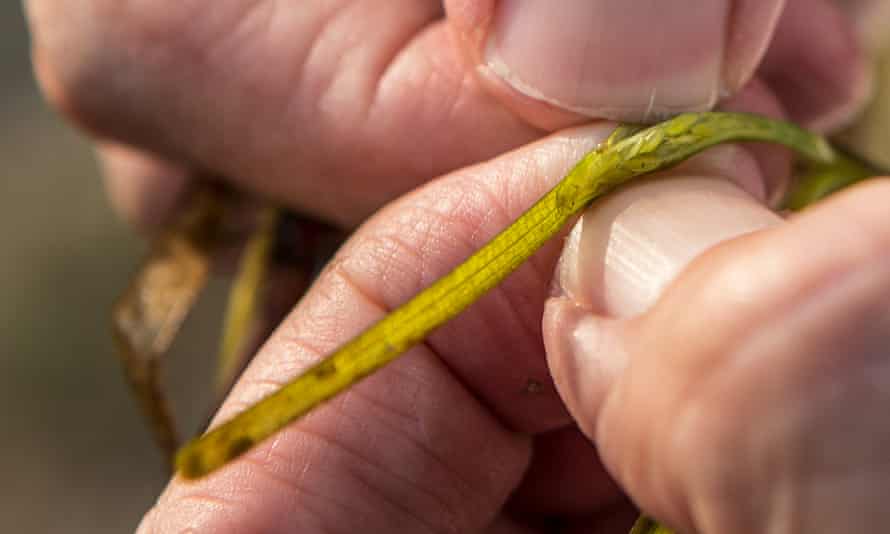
(610, 58)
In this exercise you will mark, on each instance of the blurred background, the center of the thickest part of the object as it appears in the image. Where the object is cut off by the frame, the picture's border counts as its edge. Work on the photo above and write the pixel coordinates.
(76, 456)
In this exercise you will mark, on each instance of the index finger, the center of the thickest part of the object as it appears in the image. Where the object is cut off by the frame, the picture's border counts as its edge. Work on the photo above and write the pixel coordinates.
(429, 441)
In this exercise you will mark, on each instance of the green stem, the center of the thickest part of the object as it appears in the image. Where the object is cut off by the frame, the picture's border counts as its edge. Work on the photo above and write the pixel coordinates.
(631, 152)
(819, 181)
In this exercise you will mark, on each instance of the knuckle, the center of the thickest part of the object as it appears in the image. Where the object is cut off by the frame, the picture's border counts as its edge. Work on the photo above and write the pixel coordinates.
(66, 55)
(92, 57)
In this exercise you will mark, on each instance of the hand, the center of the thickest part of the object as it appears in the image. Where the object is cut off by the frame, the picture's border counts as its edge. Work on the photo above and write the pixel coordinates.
(336, 107)
(440, 439)
(744, 400)
(747, 397)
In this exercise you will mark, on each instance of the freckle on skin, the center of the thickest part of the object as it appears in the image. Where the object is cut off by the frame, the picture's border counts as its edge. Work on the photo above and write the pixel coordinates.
(533, 387)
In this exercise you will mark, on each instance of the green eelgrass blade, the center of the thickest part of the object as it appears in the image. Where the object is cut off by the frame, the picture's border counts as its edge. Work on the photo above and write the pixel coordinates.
(633, 151)
(645, 525)
(242, 308)
(821, 180)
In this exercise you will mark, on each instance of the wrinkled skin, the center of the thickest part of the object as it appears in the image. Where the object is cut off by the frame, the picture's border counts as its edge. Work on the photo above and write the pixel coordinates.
(725, 389)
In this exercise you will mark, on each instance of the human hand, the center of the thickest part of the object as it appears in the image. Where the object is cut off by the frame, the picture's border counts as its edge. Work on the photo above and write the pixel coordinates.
(741, 392)
(173, 507)
(410, 449)
(336, 107)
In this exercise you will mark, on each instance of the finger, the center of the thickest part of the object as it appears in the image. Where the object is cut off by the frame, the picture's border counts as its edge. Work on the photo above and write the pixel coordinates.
(796, 359)
(429, 442)
(735, 407)
(621, 254)
(144, 189)
(617, 260)
(821, 77)
(629, 246)
(633, 61)
(312, 104)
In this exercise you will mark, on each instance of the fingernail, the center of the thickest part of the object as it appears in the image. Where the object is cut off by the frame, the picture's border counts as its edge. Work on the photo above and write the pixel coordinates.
(622, 60)
(747, 40)
(627, 248)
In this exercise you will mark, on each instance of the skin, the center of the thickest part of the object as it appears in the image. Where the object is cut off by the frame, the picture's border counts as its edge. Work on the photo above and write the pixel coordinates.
(449, 438)
(161, 77)
(757, 412)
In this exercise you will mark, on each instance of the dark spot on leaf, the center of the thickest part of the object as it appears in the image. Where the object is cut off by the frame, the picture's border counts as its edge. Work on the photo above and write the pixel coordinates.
(239, 447)
(324, 370)
(193, 466)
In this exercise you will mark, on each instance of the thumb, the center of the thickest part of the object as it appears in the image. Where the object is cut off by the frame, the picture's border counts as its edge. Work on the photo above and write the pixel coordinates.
(625, 60)
(618, 259)
(621, 255)
(747, 395)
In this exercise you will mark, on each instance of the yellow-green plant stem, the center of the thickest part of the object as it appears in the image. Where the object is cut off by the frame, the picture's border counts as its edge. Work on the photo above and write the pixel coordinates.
(630, 152)
(819, 181)
(244, 297)
(645, 525)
